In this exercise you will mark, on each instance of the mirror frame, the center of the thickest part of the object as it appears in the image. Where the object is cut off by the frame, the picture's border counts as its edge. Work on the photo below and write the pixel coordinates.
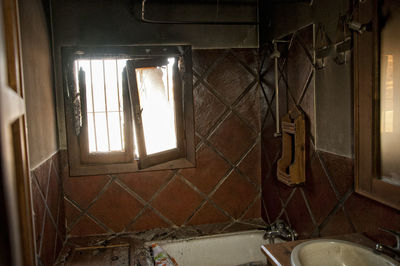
(366, 109)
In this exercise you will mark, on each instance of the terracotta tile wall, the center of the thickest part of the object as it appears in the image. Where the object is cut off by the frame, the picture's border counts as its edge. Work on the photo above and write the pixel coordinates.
(48, 208)
(225, 185)
(327, 204)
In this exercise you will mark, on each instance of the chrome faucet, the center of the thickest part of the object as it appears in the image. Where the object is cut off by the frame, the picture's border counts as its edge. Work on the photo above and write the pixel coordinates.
(394, 250)
(279, 229)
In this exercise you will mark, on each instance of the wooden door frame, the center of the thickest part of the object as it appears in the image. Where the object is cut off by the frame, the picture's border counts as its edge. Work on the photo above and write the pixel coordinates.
(14, 153)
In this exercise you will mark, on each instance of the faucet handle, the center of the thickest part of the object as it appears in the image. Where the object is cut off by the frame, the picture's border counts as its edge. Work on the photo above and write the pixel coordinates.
(393, 233)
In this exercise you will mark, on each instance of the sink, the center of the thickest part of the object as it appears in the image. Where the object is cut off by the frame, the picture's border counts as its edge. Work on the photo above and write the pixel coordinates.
(332, 252)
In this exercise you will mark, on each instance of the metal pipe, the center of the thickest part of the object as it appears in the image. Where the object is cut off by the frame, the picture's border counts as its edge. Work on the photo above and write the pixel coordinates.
(144, 19)
(275, 55)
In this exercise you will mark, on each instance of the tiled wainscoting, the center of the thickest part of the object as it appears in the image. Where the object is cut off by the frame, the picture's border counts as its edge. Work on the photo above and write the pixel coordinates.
(327, 204)
(48, 208)
(223, 188)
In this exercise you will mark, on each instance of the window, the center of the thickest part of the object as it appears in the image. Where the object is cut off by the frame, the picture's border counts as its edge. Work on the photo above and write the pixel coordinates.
(376, 103)
(128, 108)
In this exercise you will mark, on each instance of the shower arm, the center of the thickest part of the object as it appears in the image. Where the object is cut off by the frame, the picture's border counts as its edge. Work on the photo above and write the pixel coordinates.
(275, 55)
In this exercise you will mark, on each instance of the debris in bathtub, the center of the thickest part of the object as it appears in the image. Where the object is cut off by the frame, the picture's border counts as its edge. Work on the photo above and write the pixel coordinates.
(161, 258)
(144, 256)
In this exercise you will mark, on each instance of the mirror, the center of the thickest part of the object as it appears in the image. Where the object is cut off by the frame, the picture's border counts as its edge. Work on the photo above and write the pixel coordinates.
(377, 102)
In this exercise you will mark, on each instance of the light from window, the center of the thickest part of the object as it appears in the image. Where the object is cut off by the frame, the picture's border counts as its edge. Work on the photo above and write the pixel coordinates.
(155, 89)
(104, 102)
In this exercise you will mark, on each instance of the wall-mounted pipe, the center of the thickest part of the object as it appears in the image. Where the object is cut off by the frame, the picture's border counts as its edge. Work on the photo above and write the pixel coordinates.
(146, 20)
(275, 55)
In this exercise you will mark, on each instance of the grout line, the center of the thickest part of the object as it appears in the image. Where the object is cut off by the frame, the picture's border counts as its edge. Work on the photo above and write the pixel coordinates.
(257, 197)
(230, 107)
(86, 211)
(330, 180)
(305, 87)
(34, 179)
(94, 219)
(336, 208)
(213, 65)
(147, 204)
(244, 64)
(284, 205)
(349, 220)
(308, 206)
(206, 197)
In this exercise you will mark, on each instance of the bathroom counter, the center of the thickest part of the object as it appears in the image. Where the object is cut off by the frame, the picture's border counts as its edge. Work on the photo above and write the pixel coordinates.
(279, 254)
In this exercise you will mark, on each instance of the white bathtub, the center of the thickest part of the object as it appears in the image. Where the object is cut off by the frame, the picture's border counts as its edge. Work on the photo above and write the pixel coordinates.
(218, 250)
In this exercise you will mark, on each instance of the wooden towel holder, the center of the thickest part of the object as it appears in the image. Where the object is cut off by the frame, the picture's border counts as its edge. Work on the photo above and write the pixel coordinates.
(292, 165)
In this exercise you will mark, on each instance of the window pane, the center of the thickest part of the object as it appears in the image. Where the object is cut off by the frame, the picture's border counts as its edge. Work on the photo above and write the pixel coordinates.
(92, 137)
(110, 70)
(101, 132)
(115, 131)
(158, 116)
(390, 95)
(85, 65)
(98, 85)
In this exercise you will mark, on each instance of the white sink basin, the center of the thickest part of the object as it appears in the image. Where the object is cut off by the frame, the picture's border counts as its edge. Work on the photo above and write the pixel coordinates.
(331, 252)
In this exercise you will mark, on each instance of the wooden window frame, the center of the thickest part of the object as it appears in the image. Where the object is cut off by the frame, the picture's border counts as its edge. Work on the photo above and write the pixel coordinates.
(146, 160)
(81, 162)
(366, 110)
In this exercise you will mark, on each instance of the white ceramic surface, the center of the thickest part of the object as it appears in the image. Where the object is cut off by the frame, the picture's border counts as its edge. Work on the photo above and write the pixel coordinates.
(331, 252)
(218, 250)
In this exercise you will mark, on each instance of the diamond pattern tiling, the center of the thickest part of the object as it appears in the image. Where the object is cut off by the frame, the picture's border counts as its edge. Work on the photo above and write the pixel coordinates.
(305, 36)
(86, 226)
(42, 173)
(340, 169)
(248, 165)
(61, 220)
(271, 198)
(148, 220)
(204, 59)
(233, 138)
(54, 193)
(298, 63)
(48, 209)
(221, 77)
(235, 194)
(331, 228)
(207, 109)
(249, 108)
(177, 201)
(84, 189)
(38, 211)
(71, 213)
(210, 169)
(307, 105)
(49, 238)
(145, 184)
(300, 218)
(254, 211)
(229, 78)
(208, 214)
(116, 207)
(319, 190)
(248, 57)
(351, 212)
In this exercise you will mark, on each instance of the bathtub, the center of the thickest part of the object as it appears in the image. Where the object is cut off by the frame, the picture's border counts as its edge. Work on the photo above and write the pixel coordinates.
(218, 250)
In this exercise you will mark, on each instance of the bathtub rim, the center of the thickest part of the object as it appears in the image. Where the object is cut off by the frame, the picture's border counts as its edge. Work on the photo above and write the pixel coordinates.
(191, 238)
